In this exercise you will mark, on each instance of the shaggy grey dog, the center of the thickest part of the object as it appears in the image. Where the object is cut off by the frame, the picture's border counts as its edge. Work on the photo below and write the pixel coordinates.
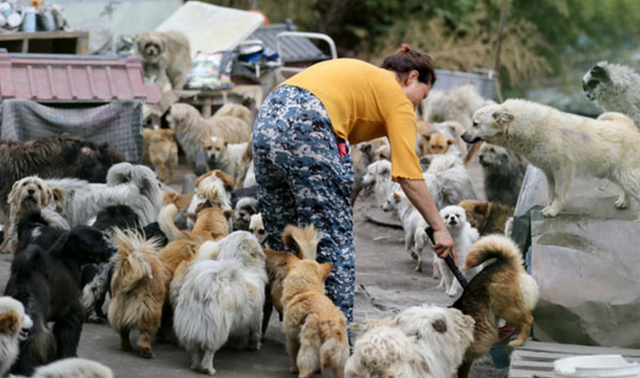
(133, 185)
(503, 174)
(615, 88)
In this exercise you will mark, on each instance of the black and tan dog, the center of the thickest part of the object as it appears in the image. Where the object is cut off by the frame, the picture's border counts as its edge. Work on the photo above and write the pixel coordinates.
(502, 290)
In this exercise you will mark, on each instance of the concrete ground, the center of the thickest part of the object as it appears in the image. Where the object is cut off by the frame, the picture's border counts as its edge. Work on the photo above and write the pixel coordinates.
(386, 283)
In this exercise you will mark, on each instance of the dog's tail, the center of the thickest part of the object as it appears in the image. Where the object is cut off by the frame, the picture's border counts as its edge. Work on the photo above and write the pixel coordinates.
(494, 246)
(305, 238)
(167, 225)
(134, 252)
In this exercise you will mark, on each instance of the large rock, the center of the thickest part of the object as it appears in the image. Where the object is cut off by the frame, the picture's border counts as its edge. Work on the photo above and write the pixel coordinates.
(587, 263)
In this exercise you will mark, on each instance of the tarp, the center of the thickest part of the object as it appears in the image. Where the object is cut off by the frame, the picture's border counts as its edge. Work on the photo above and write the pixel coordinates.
(587, 264)
(212, 28)
(119, 123)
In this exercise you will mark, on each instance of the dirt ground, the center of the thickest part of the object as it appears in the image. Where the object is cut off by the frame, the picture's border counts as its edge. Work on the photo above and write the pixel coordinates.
(386, 283)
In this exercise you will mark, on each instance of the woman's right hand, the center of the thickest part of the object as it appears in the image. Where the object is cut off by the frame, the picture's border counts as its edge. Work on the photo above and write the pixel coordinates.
(445, 246)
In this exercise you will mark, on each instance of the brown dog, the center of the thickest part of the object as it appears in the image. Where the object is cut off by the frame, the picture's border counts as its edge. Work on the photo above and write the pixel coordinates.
(211, 223)
(487, 217)
(140, 286)
(163, 154)
(315, 329)
(279, 264)
(502, 289)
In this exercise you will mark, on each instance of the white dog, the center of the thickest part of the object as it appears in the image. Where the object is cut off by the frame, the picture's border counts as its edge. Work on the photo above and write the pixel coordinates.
(133, 185)
(224, 155)
(256, 227)
(455, 219)
(378, 179)
(72, 368)
(14, 327)
(421, 341)
(410, 219)
(563, 144)
(221, 300)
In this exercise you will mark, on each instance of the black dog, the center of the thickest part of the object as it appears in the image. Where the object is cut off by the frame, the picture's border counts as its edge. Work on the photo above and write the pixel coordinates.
(48, 285)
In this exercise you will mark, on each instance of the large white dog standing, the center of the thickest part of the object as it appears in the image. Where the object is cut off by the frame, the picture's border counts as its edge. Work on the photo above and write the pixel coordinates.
(563, 144)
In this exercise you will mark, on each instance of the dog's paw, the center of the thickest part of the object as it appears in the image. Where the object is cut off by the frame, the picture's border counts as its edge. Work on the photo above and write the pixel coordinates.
(293, 370)
(145, 353)
(452, 292)
(622, 202)
(419, 267)
(550, 211)
(413, 255)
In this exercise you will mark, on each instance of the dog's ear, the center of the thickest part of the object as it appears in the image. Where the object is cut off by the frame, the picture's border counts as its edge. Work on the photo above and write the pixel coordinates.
(440, 325)
(228, 213)
(325, 269)
(600, 73)
(13, 195)
(502, 118)
(481, 208)
(9, 323)
(427, 137)
(450, 142)
(169, 198)
(140, 43)
(204, 176)
(396, 196)
(226, 179)
(365, 148)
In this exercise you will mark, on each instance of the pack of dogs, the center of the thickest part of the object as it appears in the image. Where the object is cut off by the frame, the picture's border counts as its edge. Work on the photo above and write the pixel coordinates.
(95, 238)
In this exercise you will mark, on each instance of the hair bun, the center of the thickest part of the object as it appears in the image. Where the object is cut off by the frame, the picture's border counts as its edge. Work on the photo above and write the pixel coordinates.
(405, 48)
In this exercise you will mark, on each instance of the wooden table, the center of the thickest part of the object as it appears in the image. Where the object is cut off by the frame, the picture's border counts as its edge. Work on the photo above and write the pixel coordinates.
(58, 42)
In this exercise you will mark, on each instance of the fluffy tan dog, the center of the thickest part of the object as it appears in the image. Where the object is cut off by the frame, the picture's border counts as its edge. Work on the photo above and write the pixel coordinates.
(279, 264)
(563, 144)
(140, 286)
(166, 58)
(147, 133)
(502, 289)
(315, 329)
(191, 128)
(438, 143)
(181, 201)
(487, 217)
(235, 110)
(228, 157)
(211, 224)
(163, 153)
(26, 194)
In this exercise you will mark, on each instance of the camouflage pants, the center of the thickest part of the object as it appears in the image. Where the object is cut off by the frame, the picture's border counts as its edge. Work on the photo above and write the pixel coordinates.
(302, 180)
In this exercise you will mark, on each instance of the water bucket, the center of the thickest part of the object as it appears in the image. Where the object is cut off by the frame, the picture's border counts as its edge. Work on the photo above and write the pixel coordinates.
(596, 366)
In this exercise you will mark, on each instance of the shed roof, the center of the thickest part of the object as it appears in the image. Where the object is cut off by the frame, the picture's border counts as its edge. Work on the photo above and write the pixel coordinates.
(294, 49)
(73, 78)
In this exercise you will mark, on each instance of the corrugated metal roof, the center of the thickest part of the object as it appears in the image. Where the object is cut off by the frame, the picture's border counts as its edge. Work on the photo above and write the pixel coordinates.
(73, 78)
(293, 49)
(211, 28)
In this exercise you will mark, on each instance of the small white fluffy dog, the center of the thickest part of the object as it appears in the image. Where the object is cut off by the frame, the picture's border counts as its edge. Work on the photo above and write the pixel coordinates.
(230, 123)
(410, 219)
(221, 300)
(256, 227)
(463, 234)
(72, 368)
(14, 327)
(421, 341)
(563, 144)
(224, 155)
(378, 178)
(133, 185)
(26, 194)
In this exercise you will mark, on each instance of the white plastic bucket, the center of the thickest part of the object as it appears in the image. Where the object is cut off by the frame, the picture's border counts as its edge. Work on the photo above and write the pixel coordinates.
(596, 366)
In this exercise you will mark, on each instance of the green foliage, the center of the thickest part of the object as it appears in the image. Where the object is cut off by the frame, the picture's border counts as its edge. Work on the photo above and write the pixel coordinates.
(462, 34)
